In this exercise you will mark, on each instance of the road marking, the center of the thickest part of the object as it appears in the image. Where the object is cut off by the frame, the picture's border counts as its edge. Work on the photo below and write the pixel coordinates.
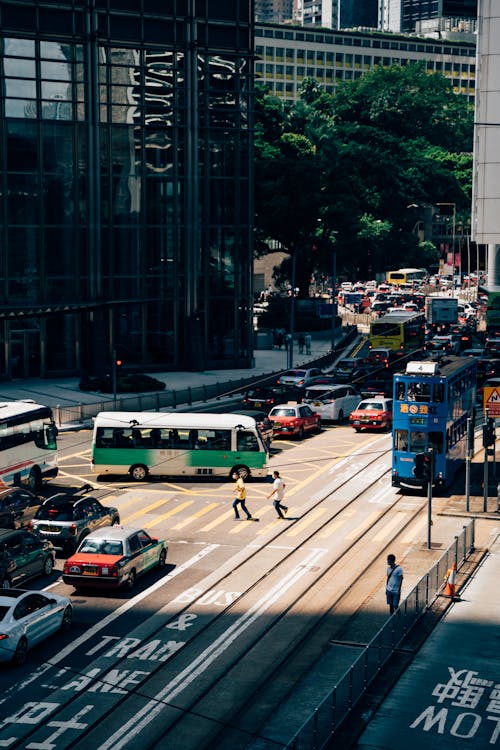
(136, 724)
(170, 513)
(145, 510)
(336, 524)
(195, 516)
(305, 522)
(389, 526)
(415, 531)
(92, 631)
(218, 520)
(369, 521)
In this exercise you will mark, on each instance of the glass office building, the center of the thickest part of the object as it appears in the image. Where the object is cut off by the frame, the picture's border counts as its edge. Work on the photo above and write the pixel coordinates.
(125, 185)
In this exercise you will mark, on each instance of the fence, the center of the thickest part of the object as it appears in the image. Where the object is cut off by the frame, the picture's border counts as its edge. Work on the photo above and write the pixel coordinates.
(327, 718)
(81, 413)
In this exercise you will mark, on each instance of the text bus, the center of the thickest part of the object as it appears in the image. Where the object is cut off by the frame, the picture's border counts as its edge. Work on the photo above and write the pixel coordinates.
(432, 403)
(28, 444)
(191, 444)
(400, 332)
(407, 276)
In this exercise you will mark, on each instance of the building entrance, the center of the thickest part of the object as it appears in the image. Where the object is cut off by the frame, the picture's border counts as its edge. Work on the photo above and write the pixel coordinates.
(24, 351)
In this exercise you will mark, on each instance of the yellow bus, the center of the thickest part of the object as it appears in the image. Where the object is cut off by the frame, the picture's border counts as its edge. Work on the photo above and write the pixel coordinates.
(406, 276)
(400, 332)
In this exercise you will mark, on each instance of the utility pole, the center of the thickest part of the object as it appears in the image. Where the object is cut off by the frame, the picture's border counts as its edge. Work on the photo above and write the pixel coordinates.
(334, 296)
(430, 479)
(468, 458)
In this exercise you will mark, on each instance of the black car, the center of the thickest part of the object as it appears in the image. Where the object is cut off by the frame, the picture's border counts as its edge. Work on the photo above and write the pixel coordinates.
(265, 397)
(375, 386)
(17, 507)
(350, 369)
(23, 555)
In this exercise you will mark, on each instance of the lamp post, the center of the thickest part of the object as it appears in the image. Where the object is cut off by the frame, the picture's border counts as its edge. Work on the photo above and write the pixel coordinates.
(453, 230)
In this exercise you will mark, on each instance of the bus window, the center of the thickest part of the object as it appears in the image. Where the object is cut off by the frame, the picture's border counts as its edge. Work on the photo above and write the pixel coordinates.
(438, 393)
(419, 392)
(400, 391)
(246, 441)
(417, 442)
(436, 441)
(401, 440)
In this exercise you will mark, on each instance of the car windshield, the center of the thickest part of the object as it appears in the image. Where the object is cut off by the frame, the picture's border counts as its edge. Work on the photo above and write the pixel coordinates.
(295, 374)
(316, 394)
(283, 413)
(372, 405)
(55, 511)
(345, 365)
(102, 546)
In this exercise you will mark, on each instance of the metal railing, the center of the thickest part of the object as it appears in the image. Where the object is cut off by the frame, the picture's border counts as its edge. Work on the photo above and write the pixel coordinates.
(171, 399)
(327, 718)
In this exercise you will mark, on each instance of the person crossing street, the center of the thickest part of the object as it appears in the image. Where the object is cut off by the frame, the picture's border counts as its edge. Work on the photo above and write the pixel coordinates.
(279, 493)
(240, 499)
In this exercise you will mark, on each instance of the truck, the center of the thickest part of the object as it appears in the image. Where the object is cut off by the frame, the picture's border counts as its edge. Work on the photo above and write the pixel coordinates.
(441, 310)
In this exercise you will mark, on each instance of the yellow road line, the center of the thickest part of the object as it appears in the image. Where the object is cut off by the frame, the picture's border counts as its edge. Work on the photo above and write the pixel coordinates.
(389, 527)
(365, 525)
(194, 516)
(331, 527)
(311, 518)
(218, 520)
(170, 513)
(261, 512)
(142, 511)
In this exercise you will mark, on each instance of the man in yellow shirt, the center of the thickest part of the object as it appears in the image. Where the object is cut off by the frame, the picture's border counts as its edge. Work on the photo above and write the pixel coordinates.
(241, 495)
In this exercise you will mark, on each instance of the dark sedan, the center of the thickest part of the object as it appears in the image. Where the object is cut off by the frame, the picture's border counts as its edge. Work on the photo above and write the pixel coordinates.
(263, 397)
(17, 507)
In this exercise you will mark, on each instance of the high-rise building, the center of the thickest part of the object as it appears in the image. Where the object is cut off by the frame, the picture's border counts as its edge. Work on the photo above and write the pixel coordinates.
(273, 11)
(407, 15)
(337, 14)
(126, 185)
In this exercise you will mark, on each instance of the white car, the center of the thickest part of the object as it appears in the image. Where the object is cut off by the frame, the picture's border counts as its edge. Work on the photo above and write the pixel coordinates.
(332, 403)
(299, 377)
(28, 617)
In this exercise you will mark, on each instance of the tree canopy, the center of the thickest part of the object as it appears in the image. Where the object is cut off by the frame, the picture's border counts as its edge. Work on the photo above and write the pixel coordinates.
(342, 169)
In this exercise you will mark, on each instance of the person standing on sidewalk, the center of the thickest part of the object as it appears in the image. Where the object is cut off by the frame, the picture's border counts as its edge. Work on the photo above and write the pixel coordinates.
(279, 494)
(307, 341)
(393, 583)
(241, 496)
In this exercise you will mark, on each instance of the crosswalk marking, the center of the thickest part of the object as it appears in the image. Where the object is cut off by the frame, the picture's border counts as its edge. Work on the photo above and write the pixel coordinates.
(194, 516)
(336, 524)
(169, 513)
(414, 531)
(305, 522)
(389, 526)
(220, 519)
(142, 511)
(363, 526)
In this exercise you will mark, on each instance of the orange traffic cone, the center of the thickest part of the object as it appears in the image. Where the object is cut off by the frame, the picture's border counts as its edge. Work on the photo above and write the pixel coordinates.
(450, 578)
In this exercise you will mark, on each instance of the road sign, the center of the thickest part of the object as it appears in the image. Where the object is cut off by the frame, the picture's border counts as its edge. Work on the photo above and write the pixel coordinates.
(491, 401)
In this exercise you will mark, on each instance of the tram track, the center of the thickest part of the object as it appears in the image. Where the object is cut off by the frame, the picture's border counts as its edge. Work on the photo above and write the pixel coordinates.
(247, 558)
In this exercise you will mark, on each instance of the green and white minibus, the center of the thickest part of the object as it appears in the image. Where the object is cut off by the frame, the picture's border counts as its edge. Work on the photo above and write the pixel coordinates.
(147, 443)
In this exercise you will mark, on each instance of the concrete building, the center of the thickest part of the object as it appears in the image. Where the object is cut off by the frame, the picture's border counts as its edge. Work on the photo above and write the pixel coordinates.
(408, 15)
(287, 55)
(126, 185)
(273, 11)
(336, 14)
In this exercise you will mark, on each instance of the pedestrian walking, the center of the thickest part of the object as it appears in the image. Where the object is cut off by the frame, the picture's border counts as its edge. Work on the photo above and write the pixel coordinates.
(307, 341)
(279, 494)
(393, 583)
(241, 496)
(301, 342)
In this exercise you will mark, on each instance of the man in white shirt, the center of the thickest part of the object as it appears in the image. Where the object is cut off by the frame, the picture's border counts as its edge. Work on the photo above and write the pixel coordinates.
(279, 494)
(393, 583)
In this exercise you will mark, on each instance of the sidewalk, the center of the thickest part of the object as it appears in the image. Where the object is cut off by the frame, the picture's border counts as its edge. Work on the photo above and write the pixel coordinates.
(65, 393)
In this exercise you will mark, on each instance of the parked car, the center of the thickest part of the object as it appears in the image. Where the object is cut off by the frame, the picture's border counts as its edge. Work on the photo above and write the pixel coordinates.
(372, 414)
(67, 519)
(265, 397)
(23, 555)
(114, 557)
(332, 404)
(299, 377)
(29, 617)
(17, 507)
(263, 422)
(294, 419)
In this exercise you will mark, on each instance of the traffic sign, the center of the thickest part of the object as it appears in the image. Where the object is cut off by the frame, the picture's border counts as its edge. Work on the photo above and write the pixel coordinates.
(491, 401)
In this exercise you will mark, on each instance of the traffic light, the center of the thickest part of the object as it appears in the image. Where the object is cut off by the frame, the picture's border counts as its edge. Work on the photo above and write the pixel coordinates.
(118, 362)
(489, 435)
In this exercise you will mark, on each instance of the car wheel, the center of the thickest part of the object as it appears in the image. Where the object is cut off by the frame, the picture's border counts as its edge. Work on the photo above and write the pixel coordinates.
(6, 583)
(67, 619)
(139, 472)
(48, 565)
(21, 652)
(341, 417)
(318, 426)
(116, 521)
(300, 434)
(356, 429)
(131, 579)
(241, 470)
(34, 481)
(162, 560)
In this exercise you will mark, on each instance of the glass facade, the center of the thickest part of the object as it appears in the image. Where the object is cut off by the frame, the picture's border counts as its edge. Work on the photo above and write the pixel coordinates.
(125, 185)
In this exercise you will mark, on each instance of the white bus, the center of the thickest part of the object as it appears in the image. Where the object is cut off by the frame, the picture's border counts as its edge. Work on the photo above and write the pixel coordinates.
(28, 444)
(176, 444)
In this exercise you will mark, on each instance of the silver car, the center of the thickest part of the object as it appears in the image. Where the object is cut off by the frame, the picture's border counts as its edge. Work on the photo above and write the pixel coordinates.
(332, 403)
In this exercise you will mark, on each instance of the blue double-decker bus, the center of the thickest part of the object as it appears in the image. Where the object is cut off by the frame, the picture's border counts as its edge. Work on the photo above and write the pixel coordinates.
(432, 403)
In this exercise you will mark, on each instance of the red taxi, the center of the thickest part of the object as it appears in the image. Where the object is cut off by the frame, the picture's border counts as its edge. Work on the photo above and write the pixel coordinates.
(372, 414)
(294, 420)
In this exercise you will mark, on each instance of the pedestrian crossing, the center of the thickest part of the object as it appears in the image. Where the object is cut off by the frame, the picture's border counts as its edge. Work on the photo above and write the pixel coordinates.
(218, 515)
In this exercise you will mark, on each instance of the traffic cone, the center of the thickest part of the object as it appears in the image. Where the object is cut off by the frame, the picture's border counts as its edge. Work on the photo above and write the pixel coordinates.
(451, 577)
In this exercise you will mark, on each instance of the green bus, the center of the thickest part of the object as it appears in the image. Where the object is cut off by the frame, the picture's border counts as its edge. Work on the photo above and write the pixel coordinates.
(144, 444)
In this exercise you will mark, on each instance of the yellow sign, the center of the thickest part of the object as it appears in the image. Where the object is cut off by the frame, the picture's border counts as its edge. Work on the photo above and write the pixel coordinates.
(491, 401)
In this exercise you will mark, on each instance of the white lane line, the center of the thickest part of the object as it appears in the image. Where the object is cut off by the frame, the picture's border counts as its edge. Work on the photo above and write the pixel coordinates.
(91, 632)
(203, 661)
